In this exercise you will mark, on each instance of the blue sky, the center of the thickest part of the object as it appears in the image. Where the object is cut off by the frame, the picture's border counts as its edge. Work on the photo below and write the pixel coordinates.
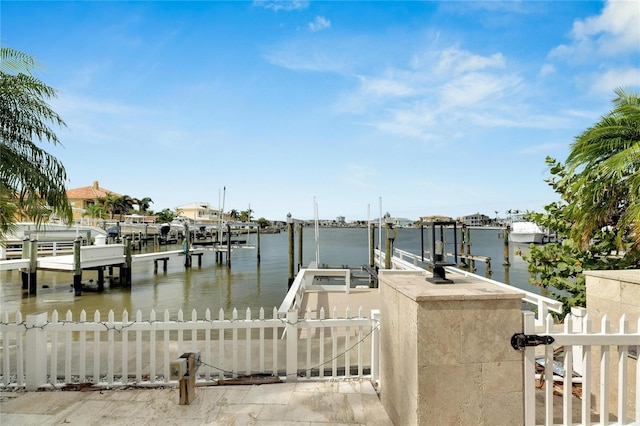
(433, 107)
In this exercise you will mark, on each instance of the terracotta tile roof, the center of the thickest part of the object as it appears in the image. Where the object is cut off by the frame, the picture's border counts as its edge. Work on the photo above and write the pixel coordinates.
(89, 192)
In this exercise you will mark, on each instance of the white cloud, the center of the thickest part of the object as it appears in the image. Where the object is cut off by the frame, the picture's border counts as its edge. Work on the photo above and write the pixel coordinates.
(614, 31)
(475, 88)
(546, 69)
(285, 5)
(385, 86)
(438, 93)
(456, 61)
(612, 79)
(319, 24)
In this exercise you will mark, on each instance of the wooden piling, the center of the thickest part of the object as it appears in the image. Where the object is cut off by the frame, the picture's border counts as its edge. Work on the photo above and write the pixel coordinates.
(290, 251)
(372, 242)
(463, 236)
(126, 271)
(24, 273)
(258, 245)
(186, 246)
(299, 246)
(77, 268)
(506, 246)
(33, 267)
(387, 248)
(228, 246)
(472, 262)
(100, 278)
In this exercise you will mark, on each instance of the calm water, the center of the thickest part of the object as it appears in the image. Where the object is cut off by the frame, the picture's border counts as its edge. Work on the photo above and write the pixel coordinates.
(246, 284)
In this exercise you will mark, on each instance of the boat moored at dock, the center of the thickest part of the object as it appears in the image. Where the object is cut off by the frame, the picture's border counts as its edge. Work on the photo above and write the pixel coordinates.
(527, 233)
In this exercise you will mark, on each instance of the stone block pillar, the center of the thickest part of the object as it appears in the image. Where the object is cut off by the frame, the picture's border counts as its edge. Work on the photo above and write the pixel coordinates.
(445, 354)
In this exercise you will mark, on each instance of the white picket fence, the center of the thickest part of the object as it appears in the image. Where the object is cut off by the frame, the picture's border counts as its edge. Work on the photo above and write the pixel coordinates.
(46, 352)
(581, 345)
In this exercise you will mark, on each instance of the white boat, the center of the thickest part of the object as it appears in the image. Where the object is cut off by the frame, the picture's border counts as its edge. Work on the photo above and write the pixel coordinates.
(50, 232)
(526, 232)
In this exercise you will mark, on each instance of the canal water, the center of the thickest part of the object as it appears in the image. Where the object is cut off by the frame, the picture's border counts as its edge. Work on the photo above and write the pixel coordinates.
(247, 284)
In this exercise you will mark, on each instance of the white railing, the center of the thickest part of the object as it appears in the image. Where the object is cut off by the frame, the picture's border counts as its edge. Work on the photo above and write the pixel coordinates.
(50, 248)
(404, 260)
(306, 280)
(46, 352)
(586, 341)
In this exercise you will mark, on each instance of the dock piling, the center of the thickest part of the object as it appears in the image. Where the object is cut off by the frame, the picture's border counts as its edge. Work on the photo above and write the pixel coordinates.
(258, 245)
(299, 246)
(291, 261)
(100, 278)
(228, 246)
(33, 267)
(187, 246)
(24, 274)
(506, 246)
(388, 251)
(77, 268)
(463, 236)
(125, 272)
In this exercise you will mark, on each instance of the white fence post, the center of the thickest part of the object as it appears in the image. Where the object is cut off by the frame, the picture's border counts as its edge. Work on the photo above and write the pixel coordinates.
(578, 315)
(529, 371)
(36, 357)
(292, 345)
(375, 346)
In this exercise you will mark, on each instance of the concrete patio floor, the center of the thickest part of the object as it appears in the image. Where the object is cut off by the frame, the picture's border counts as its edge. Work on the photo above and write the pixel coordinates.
(339, 402)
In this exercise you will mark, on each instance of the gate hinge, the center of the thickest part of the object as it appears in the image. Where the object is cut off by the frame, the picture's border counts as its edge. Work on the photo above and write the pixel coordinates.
(520, 341)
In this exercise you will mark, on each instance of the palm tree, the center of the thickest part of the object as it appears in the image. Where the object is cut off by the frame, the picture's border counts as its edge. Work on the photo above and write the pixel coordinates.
(30, 178)
(245, 215)
(144, 204)
(111, 203)
(125, 204)
(95, 211)
(604, 170)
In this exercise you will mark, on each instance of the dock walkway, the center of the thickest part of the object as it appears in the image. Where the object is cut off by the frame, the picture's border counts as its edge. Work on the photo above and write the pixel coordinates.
(93, 259)
(315, 300)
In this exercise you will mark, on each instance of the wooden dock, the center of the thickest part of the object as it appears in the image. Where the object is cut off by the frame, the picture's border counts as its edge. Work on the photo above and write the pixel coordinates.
(97, 257)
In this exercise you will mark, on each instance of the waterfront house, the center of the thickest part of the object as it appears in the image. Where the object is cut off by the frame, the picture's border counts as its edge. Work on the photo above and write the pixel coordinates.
(435, 218)
(200, 212)
(86, 196)
(476, 219)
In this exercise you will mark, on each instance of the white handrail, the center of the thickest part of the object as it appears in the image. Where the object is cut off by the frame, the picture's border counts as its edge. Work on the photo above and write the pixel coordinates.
(543, 304)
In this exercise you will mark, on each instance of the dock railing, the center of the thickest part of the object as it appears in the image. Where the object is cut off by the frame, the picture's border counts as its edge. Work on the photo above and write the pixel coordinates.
(49, 352)
(306, 280)
(404, 260)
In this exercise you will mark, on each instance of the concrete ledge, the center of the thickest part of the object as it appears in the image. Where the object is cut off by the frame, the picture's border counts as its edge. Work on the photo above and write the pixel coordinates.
(465, 288)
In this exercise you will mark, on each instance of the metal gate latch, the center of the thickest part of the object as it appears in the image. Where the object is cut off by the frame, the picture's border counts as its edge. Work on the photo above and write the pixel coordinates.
(520, 341)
